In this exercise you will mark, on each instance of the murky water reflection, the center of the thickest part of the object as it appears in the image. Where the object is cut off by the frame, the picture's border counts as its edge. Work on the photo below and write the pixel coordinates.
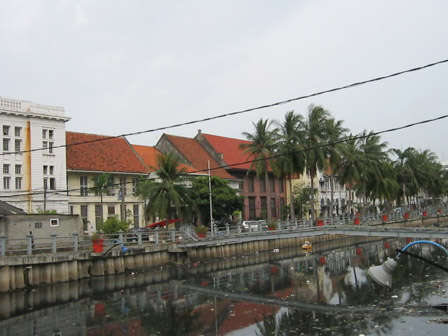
(285, 292)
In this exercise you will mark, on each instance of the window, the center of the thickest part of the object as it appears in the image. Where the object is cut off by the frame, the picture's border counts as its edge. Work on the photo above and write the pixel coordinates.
(50, 134)
(6, 169)
(135, 212)
(272, 184)
(262, 185)
(98, 214)
(18, 145)
(281, 187)
(6, 182)
(44, 144)
(5, 145)
(240, 185)
(45, 182)
(71, 210)
(273, 208)
(110, 211)
(264, 205)
(45, 170)
(52, 183)
(50, 147)
(17, 131)
(18, 169)
(18, 183)
(134, 185)
(84, 191)
(44, 134)
(111, 188)
(250, 183)
(84, 212)
(38, 225)
(54, 222)
(51, 170)
(5, 130)
(252, 214)
(122, 192)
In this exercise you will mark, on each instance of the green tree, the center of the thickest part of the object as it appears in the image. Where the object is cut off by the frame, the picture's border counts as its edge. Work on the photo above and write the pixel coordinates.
(290, 156)
(335, 134)
(260, 149)
(168, 195)
(112, 225)
(315, 134)
(101, 184)
(302, 196)
(225, 200)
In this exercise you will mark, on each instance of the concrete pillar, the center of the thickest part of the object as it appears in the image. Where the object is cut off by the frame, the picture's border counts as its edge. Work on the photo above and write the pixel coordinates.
(138, 261)
(129, 262)
(4, 278)
(109, 266)
(119, 265)
(147, 260)
(72, 270)
(97, 268)
(4, 307)
(19, 280)
(61, 272)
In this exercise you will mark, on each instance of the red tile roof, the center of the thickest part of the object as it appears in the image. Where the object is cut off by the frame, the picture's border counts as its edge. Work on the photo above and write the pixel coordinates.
(150, 154)
(111, 155)
(197, 155)
(230, 149)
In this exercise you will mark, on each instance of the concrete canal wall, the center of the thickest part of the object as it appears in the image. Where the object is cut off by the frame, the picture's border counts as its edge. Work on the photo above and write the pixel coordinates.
(20, 272)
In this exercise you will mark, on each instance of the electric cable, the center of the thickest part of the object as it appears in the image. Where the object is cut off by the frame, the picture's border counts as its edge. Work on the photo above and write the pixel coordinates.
(245, 110)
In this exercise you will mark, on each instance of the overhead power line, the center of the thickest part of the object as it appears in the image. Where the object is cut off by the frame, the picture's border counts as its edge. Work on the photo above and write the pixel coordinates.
(345, 139)
(247, 110)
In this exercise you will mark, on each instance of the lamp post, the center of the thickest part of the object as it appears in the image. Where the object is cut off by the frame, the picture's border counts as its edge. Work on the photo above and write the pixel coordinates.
(383, 274)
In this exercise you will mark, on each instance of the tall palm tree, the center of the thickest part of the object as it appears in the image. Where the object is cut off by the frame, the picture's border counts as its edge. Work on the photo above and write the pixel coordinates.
(315, 134)
(167, 195)
(335, 134)
(405, 172)
(374, 153)
(290, 156)
(261, 148)
(351, 165)
(383, 185)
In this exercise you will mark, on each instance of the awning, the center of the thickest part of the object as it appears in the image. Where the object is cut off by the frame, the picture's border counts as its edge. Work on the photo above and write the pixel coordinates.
(163, 223)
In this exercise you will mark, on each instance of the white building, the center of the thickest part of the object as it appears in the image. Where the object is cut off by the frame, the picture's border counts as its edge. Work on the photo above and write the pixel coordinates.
(33, 159)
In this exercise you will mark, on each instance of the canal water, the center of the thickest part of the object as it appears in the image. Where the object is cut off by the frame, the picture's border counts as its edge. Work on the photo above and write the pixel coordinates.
(323, 291)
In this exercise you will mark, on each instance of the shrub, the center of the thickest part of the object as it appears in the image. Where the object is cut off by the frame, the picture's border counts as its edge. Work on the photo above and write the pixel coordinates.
(113, 225)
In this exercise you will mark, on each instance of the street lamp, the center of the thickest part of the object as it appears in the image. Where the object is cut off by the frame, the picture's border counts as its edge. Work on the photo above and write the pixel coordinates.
(383, 274)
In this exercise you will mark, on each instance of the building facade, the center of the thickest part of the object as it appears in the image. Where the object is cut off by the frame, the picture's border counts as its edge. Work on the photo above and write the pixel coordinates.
(33, 161)
(89, 156)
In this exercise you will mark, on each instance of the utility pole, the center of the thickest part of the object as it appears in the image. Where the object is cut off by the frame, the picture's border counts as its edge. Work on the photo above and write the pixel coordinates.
(45, 194)
(212, 224)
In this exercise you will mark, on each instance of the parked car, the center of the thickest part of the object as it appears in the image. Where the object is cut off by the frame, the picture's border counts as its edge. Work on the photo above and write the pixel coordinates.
(254, 225)
(132, 235)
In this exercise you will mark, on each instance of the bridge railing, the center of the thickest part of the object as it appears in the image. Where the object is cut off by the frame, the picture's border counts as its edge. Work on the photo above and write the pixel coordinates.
(30, 245)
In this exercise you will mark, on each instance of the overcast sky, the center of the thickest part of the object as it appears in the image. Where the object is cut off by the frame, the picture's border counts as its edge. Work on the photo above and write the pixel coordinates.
(127, 66)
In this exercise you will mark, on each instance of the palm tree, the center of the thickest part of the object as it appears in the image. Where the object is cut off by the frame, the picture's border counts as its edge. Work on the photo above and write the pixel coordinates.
(167, 195)
(315, 135)
(383, 186)
(101, 184)
(290, 155)
(351, 165)
(261, 148)
(335, 133)
(405, 172)
(373, 154)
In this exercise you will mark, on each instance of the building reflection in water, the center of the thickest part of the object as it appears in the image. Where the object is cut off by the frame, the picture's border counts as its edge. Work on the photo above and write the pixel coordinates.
(263, 293)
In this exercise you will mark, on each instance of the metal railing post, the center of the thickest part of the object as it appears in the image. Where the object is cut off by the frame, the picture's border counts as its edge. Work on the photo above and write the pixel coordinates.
(29, 246)
(280, 225)
(173, 236)
(120, 235)
(53, 242)
(139, 238)
(3, 244)
(156, 237)
(75, 241)
(228, 229)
